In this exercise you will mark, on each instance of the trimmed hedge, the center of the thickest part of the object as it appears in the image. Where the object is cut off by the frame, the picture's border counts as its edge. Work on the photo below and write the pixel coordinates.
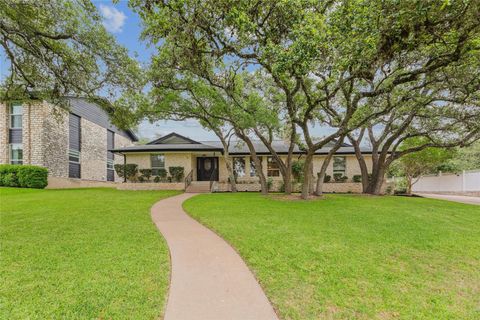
(14, 175)
(357, 178)
(177, 173)
(130, 169)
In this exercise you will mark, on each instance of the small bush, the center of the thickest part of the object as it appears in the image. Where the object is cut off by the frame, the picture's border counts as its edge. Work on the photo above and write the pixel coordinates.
(23, 176)
(177, 173)
(269, 184)
(156, 179)
(130, 169)
(357, 178)
(141, 179)
(327, 178)
(162, 173)
(297, 170)
(146, 173)
(339, 177)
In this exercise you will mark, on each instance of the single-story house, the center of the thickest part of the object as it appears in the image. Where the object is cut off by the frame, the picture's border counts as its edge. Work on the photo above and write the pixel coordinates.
(204, 161)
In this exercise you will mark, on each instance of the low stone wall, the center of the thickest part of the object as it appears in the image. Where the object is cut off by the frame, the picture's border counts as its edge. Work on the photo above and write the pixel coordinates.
(67, 183)
(331, 187)
(151, 186)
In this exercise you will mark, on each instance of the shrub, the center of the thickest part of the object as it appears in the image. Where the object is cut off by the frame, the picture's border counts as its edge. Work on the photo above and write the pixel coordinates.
(339, 177)
(177, 173)
(162, 173)
(10, 180)
(357, 178)
(146, 173)
(33, 177)
(156, 179)
(327, 178)
(297, 170)
(130, 169)
(269, 184)
(23, 176)
(141, 179)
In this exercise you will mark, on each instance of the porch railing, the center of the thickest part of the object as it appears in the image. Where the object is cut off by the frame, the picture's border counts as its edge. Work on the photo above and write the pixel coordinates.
(188, 179)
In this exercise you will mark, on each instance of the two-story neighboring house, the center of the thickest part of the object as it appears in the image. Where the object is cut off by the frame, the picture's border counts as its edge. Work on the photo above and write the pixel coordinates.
(73, 145)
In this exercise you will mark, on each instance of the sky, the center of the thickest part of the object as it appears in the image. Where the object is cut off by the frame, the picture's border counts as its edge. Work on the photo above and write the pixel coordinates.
(125, 25)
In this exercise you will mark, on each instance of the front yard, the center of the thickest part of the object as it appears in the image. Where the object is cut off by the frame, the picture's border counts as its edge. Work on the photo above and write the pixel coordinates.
(81, 254)
(355, 257)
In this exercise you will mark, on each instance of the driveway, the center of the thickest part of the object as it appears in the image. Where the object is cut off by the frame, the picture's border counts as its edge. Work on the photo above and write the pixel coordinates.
(448, 197)
(209, 280)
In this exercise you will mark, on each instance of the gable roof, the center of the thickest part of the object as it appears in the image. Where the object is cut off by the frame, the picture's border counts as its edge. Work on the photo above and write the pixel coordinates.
(174, 138)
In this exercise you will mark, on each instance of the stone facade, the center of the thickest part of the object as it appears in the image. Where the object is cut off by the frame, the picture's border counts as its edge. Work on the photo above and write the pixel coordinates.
(120, 142)
(45, 133)
(54, 143)
(93, 151)
(4, 120)
(247, 183)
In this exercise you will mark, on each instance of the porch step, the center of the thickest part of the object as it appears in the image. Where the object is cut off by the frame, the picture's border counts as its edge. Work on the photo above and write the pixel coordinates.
(198, 187)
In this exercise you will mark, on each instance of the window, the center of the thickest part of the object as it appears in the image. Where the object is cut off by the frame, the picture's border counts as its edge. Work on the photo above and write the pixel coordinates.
(157, 162)
(339, 165)
(74, 156)
(16, 116)
(74, 146)
(16, 153)
(253, 168)
(109, 164)
(239, 167)
(272, 168)
(110, 155)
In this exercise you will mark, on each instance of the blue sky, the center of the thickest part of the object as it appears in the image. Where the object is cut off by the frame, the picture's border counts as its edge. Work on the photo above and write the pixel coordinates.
(125, 25)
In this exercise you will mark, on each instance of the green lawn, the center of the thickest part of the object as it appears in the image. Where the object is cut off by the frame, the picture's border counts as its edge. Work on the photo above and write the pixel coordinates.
(355, 257)
(81, 254)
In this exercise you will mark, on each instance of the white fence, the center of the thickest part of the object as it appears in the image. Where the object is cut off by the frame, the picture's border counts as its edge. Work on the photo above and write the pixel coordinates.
(466, 181)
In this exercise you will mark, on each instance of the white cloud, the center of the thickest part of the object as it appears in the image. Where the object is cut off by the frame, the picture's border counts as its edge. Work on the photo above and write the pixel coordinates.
(113, 19)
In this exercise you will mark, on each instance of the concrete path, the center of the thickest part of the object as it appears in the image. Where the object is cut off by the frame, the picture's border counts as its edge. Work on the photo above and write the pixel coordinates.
(209, 280)
(449, 197)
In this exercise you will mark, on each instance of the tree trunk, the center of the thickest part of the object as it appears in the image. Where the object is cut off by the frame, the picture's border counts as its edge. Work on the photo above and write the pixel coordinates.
(284, 167)
(409, 184)
(287, 181)
(376, 182)
(326, 162)
(307, 180)
(256, 160)
(311, 188)
(231, 175)
(226, 157)
(361, 163)
(261, 176)
(321, 175)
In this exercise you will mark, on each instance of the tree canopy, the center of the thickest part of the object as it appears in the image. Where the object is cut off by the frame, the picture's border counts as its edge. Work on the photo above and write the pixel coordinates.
(349, 65)
(58, 48)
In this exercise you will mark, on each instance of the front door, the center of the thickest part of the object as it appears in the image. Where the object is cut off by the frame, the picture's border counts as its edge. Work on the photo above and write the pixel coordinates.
(206, 167)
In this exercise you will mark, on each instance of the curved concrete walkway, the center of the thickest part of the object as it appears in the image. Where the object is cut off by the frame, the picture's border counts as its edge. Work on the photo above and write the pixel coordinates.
(209, 280)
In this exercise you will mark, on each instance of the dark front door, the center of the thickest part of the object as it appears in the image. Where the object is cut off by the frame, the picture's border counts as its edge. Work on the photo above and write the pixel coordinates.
(206, 167)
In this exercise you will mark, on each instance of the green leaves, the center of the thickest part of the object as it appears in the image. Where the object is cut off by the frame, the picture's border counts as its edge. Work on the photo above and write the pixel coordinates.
(60, 48)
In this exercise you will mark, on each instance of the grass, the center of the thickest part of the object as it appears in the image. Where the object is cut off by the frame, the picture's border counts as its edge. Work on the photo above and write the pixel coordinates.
(81, 254)
(355, 257)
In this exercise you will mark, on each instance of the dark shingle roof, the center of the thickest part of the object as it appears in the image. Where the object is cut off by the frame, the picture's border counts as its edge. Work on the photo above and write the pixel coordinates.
(236, 147)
